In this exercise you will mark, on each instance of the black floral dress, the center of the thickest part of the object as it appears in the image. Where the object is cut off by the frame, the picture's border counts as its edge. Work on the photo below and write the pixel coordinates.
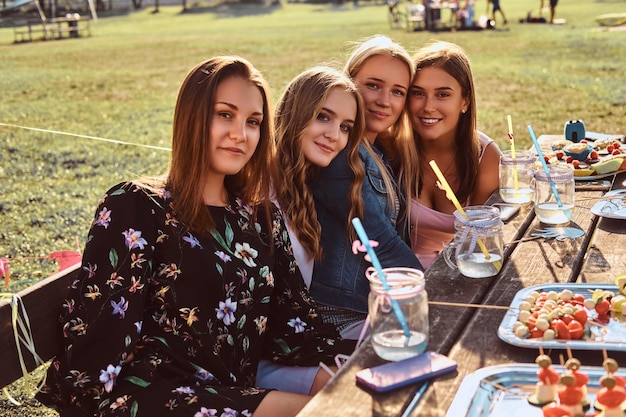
(163, 322)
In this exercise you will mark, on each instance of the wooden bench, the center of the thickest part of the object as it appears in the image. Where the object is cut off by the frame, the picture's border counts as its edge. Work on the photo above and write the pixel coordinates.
(23, 31)
(72, 26)
(42, 303)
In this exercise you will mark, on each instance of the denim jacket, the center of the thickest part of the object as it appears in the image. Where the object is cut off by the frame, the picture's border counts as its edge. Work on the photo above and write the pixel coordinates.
(339, 278)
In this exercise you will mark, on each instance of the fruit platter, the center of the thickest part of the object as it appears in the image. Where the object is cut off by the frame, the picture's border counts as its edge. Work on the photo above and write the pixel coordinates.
(589, 159)
(578, 316)
(504, 391)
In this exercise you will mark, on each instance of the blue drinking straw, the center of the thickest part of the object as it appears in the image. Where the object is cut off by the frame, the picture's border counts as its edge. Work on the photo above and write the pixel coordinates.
(356, 222)
(545, 166)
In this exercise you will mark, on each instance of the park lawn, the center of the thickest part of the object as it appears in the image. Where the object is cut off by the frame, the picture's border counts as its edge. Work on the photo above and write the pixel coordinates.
(121, 84)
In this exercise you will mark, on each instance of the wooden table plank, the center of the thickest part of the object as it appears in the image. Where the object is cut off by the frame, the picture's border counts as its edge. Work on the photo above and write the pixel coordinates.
(606, 257)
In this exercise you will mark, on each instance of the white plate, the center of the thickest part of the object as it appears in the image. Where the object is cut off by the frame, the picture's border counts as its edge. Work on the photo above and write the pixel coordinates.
(612, 208)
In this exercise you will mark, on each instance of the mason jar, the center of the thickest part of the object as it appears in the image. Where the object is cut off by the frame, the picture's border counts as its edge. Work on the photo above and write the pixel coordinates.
(477, 248)
(554, 195)
(398, 313)
(516, 176)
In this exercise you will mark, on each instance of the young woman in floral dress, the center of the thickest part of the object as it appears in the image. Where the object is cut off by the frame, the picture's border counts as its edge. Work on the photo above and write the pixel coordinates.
(187, 279)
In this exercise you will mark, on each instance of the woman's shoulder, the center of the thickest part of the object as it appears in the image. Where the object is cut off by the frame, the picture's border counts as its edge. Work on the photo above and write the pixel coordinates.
(137, 191)
(484, 138)
(487, 146)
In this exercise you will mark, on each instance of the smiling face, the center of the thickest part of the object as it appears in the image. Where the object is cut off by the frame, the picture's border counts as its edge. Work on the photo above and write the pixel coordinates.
(436, 103)
(383, 82)
(327, 134)
(235, 127)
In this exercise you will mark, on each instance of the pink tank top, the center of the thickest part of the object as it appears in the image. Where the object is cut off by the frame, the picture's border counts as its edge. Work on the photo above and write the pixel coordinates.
(434, 228)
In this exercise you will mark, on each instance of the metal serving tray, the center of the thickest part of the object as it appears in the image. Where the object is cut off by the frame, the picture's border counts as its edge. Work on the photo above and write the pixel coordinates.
(610, 337)
(502, 391)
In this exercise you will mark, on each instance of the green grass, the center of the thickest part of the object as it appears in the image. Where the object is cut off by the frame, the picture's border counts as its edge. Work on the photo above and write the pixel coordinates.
(121, 83)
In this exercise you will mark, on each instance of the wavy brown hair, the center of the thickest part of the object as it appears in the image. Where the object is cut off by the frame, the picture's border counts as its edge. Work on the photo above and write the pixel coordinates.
(188, 168)
(299, 105)
(397, 141)
(453, 60)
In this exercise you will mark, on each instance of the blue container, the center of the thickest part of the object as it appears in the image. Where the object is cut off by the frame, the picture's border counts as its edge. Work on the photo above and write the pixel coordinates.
(574, 130)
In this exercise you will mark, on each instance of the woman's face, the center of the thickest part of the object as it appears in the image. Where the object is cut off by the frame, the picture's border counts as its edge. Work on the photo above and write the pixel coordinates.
(383, 82)
(328, 133)
(236, 125)
(436, 103)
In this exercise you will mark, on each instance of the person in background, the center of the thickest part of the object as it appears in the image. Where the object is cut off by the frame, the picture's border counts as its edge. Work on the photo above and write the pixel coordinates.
(319, 114)
(382, 71)
(465, 15)
(496, 8)
(186, 279)
(442, 107)
(553, 4)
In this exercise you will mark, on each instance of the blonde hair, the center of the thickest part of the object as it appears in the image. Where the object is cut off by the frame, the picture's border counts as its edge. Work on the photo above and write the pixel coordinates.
(397, 141)
(299, 105)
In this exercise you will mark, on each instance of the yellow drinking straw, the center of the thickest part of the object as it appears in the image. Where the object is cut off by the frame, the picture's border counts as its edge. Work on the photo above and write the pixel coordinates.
(450, 195)
(508, 118)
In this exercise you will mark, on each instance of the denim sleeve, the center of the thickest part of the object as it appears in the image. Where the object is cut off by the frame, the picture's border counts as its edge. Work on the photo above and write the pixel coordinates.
(331, 191)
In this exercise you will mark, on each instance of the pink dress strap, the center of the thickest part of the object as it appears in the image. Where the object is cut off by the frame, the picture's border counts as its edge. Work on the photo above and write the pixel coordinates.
(434, 228)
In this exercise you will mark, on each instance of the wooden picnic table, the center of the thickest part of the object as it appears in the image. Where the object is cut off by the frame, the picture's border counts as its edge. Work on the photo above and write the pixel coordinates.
(469, 335)
(48, 29)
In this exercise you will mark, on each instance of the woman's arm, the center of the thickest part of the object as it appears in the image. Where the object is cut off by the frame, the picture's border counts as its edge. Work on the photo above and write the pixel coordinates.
(488, 175)
(103, 311)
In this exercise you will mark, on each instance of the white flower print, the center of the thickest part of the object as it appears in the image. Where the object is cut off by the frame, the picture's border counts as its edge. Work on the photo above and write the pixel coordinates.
(246, 253)
(108, 376)
(226, 310)
(184, 390)
(120, 307)
(104, 218)
(206, 412)
(223, 256)
(229, 412)
(134, 239)
(261, 324)
(297, 324)
(191, 239)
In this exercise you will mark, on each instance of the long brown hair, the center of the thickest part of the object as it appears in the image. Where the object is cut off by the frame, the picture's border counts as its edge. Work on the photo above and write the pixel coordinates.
(193, 114)
(453, 60)
(397, 141)
(299, 105)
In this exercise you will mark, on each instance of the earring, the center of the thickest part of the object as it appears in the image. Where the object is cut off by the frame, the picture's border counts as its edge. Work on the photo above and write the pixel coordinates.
(463, 111)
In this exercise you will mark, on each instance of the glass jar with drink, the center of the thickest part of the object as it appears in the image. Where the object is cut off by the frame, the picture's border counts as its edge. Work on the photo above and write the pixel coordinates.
(554, 195)
(516, 174)
(477, 248)
(398, 313)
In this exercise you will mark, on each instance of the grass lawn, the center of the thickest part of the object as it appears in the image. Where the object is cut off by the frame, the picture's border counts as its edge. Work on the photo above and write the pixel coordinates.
(121, 84)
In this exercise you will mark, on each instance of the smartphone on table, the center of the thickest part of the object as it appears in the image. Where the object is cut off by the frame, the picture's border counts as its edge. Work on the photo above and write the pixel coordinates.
(507, 211)
(393, 375)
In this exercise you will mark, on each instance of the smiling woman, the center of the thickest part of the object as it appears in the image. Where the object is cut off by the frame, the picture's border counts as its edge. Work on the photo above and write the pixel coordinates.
(319, 115)
(187, 280)
(442, 106)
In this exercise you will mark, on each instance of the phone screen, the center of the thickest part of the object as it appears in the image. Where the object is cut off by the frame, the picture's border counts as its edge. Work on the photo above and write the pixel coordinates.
(507, 211)
(394, 375)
